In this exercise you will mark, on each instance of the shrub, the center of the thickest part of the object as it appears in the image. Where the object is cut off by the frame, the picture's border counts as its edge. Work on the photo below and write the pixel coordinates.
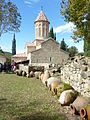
(87, 53)
(62, 87)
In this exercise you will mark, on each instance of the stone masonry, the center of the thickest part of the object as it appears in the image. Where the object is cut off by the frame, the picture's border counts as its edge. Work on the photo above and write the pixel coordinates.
(76, 72)
(50, 53)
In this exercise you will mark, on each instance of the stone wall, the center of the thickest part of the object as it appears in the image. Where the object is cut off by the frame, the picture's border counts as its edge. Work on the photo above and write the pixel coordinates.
(45, 65)
(76, 72)
(50, 53)
(30, 49)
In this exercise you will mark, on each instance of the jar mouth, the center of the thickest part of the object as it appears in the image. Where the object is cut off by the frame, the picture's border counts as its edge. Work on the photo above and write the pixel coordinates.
(82, 113)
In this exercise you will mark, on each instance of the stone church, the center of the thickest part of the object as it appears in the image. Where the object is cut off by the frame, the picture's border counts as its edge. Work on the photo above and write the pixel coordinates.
(43, 51)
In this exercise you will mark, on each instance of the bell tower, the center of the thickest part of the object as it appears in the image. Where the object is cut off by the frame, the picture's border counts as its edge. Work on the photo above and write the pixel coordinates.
(41, 26)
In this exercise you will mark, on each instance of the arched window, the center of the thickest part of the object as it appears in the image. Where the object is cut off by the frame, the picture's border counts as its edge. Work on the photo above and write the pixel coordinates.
(39, 32)
(43, 33)
(50, 59)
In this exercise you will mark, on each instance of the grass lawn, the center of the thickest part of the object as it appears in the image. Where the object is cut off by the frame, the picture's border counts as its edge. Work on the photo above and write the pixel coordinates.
(24, 98)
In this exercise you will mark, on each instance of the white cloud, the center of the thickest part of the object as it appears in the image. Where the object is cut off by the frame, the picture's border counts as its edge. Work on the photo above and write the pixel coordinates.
(35, 1)
(30, 2)
(65, 28)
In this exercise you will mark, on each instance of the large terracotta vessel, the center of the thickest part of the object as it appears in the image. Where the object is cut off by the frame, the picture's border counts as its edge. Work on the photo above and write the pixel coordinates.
(51, 80)
(31, 74)
(45, 76)
(78, 104)
(85, 112)
(41, 76)
(54, 85)
(67, 97)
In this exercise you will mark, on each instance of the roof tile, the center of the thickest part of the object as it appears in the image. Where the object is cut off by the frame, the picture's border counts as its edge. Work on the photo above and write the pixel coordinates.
(41, 17)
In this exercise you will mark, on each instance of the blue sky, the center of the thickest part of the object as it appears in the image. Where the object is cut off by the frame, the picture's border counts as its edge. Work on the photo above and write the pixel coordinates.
(29, 10)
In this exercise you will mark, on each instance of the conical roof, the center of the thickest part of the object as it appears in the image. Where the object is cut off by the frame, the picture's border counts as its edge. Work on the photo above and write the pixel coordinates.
(41, 17)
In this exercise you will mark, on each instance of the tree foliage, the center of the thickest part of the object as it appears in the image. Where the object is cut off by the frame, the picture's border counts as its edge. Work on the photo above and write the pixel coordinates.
(78, 12)
(63, 45)
(52, 34)
(72, 51)
(14, 46)
(10, 18)
(7, 55)
(1, 51)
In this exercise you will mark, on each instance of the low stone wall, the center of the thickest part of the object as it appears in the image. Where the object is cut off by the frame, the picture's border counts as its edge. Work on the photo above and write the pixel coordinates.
(45, 65)
(76, 72)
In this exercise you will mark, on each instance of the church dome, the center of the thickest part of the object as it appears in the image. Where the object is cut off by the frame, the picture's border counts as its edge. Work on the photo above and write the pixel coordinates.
(41, 17)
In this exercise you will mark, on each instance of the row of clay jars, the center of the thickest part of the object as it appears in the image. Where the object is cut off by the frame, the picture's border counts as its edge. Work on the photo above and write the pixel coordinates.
(51, 82)
(85, 112)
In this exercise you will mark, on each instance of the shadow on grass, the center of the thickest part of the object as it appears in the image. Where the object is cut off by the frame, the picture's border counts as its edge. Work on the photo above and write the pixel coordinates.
(13, 111)
(43, 116)
(4, 103)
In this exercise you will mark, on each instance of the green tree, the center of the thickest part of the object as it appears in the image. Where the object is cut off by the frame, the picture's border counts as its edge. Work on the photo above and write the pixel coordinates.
(72, 51)
(63, 45)
(10, 18)
(55, 36)
(52, 34)
(1, 52)
(14, 45)
(78, 12)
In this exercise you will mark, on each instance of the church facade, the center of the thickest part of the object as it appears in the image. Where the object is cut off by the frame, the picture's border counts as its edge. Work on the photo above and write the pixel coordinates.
(44, 50)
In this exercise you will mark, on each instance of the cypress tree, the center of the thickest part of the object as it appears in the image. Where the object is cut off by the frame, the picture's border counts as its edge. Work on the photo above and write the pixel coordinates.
(51, 34)
(63, 45)
(14, 45)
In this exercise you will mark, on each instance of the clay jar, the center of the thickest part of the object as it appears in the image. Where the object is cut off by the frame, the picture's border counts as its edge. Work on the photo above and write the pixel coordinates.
(54, 85)
(16, 72)
(20, 72)
(41, 76)
(51, 80)
(85, 112)
(67, 97)
(45, 76)
(79, 103)
(31, 74)
(37, 74)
